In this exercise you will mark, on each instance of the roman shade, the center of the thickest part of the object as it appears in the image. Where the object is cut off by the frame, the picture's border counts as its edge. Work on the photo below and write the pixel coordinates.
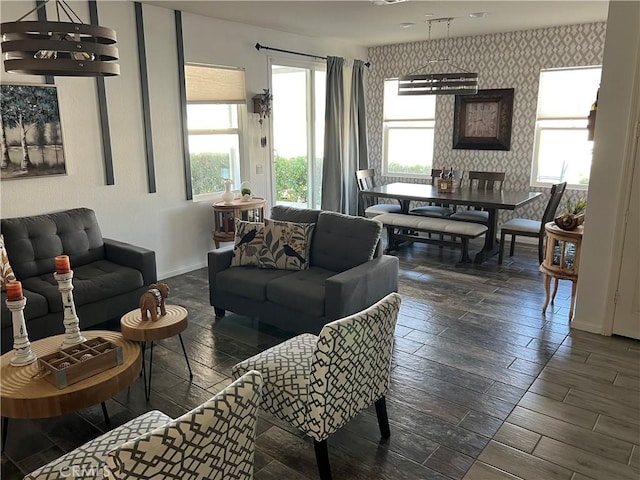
(213, 84)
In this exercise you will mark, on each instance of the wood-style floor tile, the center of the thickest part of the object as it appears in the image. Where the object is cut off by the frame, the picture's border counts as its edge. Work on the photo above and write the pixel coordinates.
(482, 471)
(562, 411)
(517, 437)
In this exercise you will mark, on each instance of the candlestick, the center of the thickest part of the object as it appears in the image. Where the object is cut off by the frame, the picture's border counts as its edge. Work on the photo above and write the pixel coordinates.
(14, 291)
(21, 344)
(71, 322)
(62, 264)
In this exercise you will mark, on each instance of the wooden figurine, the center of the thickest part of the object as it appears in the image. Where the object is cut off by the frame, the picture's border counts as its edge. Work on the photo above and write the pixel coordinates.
(152, 301)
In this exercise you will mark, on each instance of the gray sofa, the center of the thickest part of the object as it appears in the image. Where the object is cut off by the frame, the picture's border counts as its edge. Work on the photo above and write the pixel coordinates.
(347, 274)
(109, 276)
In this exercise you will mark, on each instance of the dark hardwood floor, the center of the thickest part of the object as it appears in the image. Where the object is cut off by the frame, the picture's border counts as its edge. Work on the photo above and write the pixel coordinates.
(469, 343)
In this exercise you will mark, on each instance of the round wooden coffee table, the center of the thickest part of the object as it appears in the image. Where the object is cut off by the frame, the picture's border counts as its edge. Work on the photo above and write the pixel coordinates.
(23, 395)
(174, 322)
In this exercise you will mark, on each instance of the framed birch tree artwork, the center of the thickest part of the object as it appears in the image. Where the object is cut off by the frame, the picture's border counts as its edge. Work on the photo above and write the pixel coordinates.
(31, 134)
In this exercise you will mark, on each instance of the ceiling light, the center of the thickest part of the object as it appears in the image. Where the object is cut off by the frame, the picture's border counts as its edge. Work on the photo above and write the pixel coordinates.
(407, 24)
(428, 15)
(387, 2)
(478, 14)
(72, 49)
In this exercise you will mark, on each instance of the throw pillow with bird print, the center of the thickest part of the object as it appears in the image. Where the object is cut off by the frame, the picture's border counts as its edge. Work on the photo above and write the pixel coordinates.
(249, 239)
(286, 245)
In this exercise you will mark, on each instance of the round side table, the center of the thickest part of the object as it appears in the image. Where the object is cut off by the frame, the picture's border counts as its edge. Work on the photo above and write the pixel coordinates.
(143, 331)
(226, 213)
(561, 261)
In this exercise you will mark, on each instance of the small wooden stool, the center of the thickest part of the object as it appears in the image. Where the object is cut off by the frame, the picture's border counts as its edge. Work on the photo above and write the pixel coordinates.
(561, 261)
(143, 331)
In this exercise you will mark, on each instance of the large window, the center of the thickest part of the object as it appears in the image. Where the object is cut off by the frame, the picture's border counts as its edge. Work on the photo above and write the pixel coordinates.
(562, 151)
(408, 128)
(215, 96)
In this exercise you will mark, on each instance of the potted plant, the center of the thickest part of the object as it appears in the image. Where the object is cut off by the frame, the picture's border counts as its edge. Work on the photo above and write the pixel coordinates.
(573, 215)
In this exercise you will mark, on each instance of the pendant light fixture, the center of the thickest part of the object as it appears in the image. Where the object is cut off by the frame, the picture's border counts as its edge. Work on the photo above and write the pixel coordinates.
(70, 48)
(461, 82)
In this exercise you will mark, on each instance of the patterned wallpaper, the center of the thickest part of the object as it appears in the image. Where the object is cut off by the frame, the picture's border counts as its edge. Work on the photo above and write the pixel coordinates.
(503, 60)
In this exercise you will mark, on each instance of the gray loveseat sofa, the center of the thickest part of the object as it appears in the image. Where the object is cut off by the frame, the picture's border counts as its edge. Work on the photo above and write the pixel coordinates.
(108, 276)
(347, 274)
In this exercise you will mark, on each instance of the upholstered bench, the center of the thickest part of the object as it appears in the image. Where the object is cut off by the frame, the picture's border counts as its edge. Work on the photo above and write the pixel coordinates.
(398, 225)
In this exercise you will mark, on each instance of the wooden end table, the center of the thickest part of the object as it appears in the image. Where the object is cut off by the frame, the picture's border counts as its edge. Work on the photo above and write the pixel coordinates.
(25, 395)
(143, 331)
(226, 213)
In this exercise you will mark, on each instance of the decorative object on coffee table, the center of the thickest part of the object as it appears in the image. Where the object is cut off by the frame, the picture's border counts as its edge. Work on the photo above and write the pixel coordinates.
(15, 303)
(152, 301)
(64, 277)
(133, 327)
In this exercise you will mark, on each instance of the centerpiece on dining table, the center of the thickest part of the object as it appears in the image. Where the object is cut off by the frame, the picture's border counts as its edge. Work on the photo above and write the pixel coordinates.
(446, 183)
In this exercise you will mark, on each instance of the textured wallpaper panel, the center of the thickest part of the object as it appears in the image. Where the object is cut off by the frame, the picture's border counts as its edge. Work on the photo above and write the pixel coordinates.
(503, 60)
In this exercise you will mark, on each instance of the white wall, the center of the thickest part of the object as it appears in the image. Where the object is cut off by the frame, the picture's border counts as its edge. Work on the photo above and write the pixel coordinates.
(178, 230)
(618, 114)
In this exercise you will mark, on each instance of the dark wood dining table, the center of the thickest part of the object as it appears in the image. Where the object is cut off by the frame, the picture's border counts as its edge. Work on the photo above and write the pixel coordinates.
(489, 200)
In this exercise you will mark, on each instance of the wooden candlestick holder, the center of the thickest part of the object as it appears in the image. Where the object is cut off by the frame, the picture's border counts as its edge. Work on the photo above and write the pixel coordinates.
(71, 322)
(21, 344)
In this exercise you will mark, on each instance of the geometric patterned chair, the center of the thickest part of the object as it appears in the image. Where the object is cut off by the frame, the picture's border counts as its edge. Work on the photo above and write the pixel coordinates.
(318, 383)
(366, 204)
(532, 228)
(215, 440)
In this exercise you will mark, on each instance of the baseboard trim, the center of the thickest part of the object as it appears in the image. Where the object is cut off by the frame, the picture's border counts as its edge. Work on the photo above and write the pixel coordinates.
(181, 270)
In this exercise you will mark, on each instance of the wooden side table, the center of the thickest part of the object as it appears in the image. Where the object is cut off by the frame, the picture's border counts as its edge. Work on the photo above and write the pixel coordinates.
(561, 260)
(143, 331)
(25, 395)
(225, 213)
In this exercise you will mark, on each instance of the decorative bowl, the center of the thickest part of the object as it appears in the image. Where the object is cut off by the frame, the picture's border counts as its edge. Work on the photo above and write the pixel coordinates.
(569, 221)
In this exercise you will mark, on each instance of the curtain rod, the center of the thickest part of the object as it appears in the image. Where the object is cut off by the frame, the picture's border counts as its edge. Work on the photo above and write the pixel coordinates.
(262, 47)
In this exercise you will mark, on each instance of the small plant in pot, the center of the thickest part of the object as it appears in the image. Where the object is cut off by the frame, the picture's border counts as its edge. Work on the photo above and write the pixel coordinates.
(245, 191)
(573, 216)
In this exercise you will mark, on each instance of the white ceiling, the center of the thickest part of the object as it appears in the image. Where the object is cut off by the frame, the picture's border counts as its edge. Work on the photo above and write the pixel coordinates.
(364, 23)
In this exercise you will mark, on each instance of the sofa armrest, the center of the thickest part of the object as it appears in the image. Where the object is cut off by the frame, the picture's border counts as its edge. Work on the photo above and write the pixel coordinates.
(129, 255)
(360, 287)
(218, 260)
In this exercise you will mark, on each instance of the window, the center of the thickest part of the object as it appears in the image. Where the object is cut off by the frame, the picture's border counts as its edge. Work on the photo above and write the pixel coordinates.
(561, 149)
(214, 99)
(408, 129)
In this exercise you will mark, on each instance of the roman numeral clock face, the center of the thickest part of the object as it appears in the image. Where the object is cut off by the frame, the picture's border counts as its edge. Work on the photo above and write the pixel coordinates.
(482, 119)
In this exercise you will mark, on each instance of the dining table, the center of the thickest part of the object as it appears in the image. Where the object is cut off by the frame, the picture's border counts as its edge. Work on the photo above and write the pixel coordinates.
(489, 200)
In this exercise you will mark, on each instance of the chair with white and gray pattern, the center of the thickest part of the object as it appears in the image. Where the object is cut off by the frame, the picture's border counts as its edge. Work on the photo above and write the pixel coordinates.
(318, 383)
(215, 440)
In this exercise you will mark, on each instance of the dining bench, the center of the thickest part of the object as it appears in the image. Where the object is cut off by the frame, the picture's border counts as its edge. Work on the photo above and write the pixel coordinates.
(405, 227)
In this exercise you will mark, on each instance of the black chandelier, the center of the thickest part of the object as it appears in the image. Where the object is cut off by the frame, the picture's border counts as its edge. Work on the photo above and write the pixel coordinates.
(71, 48)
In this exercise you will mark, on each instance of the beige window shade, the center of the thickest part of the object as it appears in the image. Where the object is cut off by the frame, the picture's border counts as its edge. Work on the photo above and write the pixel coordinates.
(207, 84)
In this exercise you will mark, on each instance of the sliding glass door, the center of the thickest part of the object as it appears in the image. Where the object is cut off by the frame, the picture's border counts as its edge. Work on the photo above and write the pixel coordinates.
(298, 132)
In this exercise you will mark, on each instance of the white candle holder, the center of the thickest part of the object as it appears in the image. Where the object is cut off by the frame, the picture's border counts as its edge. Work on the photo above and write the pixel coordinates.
(21, 344)
(71, 322)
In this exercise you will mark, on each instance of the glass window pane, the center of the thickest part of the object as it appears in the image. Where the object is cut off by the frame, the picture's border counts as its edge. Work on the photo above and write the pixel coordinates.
(398, 107)
(409, 150)
(564, 155)
(568, 93)
(211, 116)
(214, 158)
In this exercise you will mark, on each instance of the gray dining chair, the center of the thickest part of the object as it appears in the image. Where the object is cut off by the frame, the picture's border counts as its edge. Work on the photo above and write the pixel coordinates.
(433, 209)
(480, 181)
(531, 228)
(367, 205)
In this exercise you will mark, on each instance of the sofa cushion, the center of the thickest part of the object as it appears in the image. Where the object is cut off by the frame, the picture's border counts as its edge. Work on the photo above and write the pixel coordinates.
(248, 282)
(291, 214)
(286, 245)
(6, 272)
(303, 291)
(33, 242)
(249, 240)
(91, 283)
(342, 242)
(36, 306)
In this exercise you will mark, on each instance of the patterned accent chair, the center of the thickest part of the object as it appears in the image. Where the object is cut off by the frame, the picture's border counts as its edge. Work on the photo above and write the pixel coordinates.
(318, 383)
(215, 440)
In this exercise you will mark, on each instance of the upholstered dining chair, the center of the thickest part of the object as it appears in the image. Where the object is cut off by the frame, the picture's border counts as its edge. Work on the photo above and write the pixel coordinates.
(531, 228)
(480, 181)
(318, 383)
(215, 441)
(433, 210)
(366, 204)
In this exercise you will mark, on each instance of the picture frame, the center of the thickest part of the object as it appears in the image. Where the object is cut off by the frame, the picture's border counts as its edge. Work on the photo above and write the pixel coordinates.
(32, 144)
(483, 121)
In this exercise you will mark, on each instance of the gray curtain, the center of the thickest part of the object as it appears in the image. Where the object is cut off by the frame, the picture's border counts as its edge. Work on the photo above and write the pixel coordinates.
(332, 181)
(358, 153)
